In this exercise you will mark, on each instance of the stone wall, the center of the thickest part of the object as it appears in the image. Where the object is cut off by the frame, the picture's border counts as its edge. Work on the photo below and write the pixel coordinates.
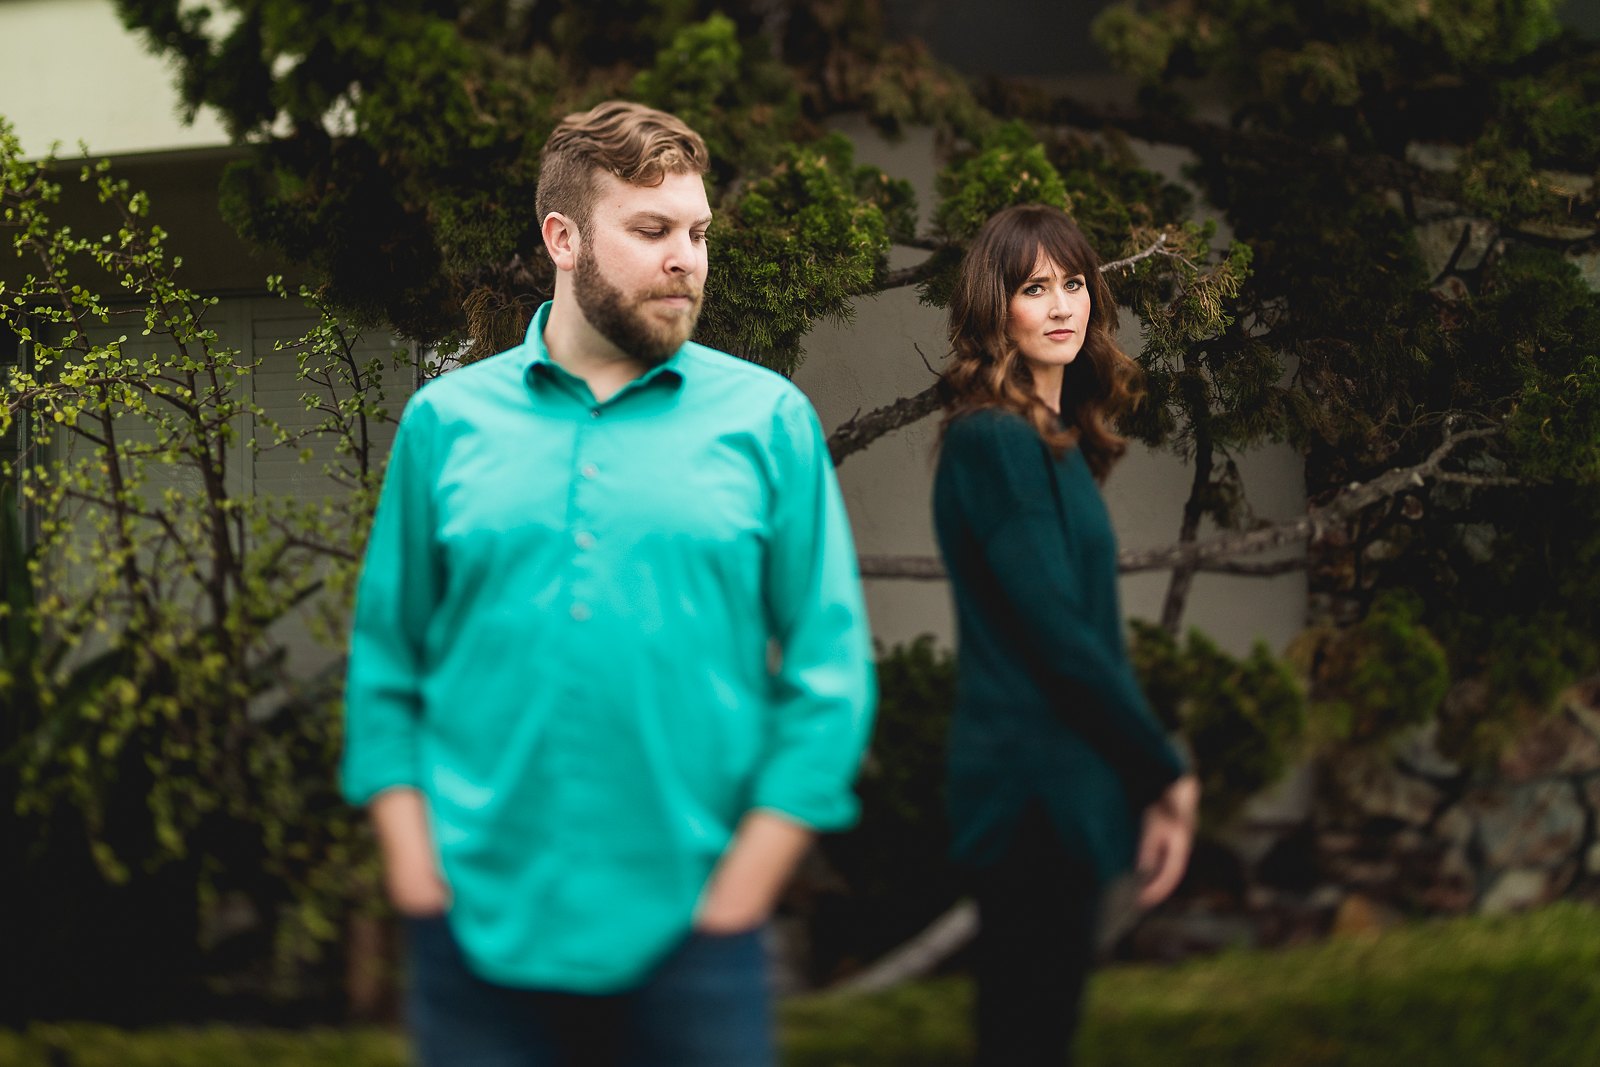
(1359, 841)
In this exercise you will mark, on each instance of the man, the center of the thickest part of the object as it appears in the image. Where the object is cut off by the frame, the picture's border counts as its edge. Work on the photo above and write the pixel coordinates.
(610, 667)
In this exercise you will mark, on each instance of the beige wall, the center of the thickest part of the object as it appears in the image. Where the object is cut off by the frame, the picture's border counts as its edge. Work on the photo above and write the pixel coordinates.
(72, 73)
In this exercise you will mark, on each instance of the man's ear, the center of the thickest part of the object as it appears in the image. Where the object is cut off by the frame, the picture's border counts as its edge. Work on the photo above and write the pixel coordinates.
(561, 240)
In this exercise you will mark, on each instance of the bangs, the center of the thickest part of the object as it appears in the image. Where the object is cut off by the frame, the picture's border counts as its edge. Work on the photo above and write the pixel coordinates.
(1047, 233)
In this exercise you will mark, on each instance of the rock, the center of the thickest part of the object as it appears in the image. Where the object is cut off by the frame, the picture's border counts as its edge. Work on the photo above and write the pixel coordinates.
(1531, 826)
(1582, 703)
(1419, 751)
(1326, 898)
(1453, 887)
(1291, 864)
(1379, 789)
(1558, 744)
(1181, 935)
(1455, 825)
(1517, 890)
(1361, 916)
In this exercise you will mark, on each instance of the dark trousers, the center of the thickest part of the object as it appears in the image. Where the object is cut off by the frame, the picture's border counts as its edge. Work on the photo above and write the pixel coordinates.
(1037, 909)
(706, 1005)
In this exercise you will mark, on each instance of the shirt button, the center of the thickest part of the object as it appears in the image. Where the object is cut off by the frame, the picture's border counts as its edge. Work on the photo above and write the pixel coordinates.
(580, 612)
(585, 539)
(589, 470)
(594, 413)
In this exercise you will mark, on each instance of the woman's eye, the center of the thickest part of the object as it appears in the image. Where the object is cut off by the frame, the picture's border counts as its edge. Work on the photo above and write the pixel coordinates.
(1032, 289)
(1074, 284)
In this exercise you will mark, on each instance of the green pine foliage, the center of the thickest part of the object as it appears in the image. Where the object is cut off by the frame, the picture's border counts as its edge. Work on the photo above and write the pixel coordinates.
(1243, 718)
(1373, 680)
(796, 245)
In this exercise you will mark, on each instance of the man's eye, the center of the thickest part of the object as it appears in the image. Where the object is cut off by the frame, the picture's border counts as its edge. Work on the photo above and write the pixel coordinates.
(652, 234)
(697, 237)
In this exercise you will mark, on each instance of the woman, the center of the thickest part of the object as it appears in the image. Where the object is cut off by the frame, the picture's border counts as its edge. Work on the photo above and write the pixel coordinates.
(1059, 774)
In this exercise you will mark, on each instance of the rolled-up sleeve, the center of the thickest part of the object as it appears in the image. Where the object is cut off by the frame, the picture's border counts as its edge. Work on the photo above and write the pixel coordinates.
(395, 599)
(824, 685)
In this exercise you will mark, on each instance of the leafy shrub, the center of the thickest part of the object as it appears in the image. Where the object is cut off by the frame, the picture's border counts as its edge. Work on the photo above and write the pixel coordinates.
(893, 863)
(1378, 677)
(1243, 718)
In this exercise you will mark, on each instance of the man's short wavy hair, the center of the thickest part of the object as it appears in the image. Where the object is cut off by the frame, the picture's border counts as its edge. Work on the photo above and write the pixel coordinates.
(638, 144)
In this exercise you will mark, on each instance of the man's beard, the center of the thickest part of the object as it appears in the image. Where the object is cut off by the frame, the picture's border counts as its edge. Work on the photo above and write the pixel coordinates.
(630, 326)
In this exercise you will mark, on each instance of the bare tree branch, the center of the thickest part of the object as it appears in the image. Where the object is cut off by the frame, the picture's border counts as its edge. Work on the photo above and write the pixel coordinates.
(897, 279)
(916, 568)
(1158, 248)
(862, 430)
(1353, 499)
(919, 955)
(1242, 569)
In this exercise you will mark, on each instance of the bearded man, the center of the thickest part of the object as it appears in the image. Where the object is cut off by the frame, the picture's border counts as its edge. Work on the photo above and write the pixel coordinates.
(610, 667)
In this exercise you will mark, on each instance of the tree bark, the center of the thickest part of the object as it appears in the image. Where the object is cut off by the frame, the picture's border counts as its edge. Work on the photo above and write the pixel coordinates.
(861, 430)
(1194, 508)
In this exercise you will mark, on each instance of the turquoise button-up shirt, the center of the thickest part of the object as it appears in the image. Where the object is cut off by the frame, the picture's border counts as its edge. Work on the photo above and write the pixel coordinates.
(594, 636)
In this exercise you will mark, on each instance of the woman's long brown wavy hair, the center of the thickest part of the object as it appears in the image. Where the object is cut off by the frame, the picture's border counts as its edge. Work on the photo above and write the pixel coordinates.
(987, 371)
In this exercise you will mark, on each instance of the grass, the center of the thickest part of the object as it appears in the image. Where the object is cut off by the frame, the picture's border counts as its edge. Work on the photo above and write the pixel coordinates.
(1516, 991)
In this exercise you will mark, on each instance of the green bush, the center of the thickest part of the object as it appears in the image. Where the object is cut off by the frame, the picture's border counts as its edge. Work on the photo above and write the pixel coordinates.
(1381, 676)
(1243, 718)
(892, 864)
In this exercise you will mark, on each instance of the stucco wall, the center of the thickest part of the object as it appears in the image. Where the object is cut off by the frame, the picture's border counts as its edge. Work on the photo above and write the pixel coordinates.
(72, 73)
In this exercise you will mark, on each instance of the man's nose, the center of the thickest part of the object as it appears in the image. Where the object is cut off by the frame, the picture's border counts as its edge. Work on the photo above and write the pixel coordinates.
(682, 256)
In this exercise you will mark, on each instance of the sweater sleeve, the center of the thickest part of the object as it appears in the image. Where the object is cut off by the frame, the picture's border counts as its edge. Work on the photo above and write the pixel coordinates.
(1003, 486)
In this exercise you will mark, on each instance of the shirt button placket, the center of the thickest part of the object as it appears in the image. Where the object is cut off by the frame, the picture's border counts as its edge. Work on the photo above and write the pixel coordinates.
(581, 609)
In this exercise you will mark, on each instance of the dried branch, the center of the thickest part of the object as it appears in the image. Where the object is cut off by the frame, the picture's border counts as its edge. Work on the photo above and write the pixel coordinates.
(897, 279)
(919, 955)
(1158, 248)
(861, 430)
(1357, 497)
(1239, 568)
(916, 568)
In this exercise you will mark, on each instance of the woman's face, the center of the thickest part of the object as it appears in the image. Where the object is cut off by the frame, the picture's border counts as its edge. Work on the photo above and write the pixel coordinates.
(1048, 317)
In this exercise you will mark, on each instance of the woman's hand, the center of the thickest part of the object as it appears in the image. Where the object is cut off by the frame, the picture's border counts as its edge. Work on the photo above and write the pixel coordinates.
(1167, 839)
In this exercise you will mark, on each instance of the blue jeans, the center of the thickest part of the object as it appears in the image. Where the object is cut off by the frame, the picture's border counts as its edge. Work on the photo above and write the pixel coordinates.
(706, 1005)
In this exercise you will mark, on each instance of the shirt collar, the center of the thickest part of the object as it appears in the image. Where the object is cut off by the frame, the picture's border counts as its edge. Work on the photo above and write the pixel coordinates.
(534, 354)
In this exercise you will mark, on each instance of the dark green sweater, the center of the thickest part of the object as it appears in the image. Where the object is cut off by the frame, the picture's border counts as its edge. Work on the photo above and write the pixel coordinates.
(1049, 711)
